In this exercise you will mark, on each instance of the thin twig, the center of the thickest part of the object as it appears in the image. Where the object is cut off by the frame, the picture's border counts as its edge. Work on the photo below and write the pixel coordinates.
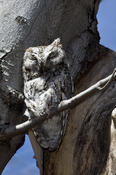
(108, 82)
(72, 102)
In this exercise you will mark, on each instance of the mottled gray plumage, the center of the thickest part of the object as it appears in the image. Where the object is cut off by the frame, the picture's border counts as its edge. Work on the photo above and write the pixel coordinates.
(47, 82)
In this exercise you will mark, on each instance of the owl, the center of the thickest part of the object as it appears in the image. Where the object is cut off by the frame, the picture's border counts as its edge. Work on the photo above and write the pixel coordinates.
(47, 81)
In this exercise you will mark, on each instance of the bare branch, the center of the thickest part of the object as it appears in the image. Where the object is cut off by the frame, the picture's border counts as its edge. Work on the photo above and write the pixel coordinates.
(65, 104)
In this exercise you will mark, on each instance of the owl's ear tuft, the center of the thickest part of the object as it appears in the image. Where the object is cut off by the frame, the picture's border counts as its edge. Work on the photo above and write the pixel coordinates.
(57, 42)
(29, 50)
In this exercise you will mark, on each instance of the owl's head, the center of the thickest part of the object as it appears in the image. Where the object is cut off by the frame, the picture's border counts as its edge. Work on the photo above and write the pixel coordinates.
(38, 60)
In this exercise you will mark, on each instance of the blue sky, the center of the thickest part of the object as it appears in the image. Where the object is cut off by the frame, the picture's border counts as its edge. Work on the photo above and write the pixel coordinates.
(23, 163)
(107, 23)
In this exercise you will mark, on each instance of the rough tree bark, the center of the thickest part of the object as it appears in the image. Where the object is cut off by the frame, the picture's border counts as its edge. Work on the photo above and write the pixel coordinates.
(85, 147)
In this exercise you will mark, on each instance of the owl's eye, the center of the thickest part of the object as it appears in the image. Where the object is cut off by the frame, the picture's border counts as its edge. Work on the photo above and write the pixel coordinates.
(53, 55)
(33, 57)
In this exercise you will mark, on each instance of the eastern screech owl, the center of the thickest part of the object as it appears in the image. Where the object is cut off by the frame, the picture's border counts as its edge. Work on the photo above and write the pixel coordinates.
(47, 82)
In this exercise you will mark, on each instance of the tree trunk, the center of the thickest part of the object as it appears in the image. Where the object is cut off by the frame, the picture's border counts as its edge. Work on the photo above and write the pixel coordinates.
(85, 147)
